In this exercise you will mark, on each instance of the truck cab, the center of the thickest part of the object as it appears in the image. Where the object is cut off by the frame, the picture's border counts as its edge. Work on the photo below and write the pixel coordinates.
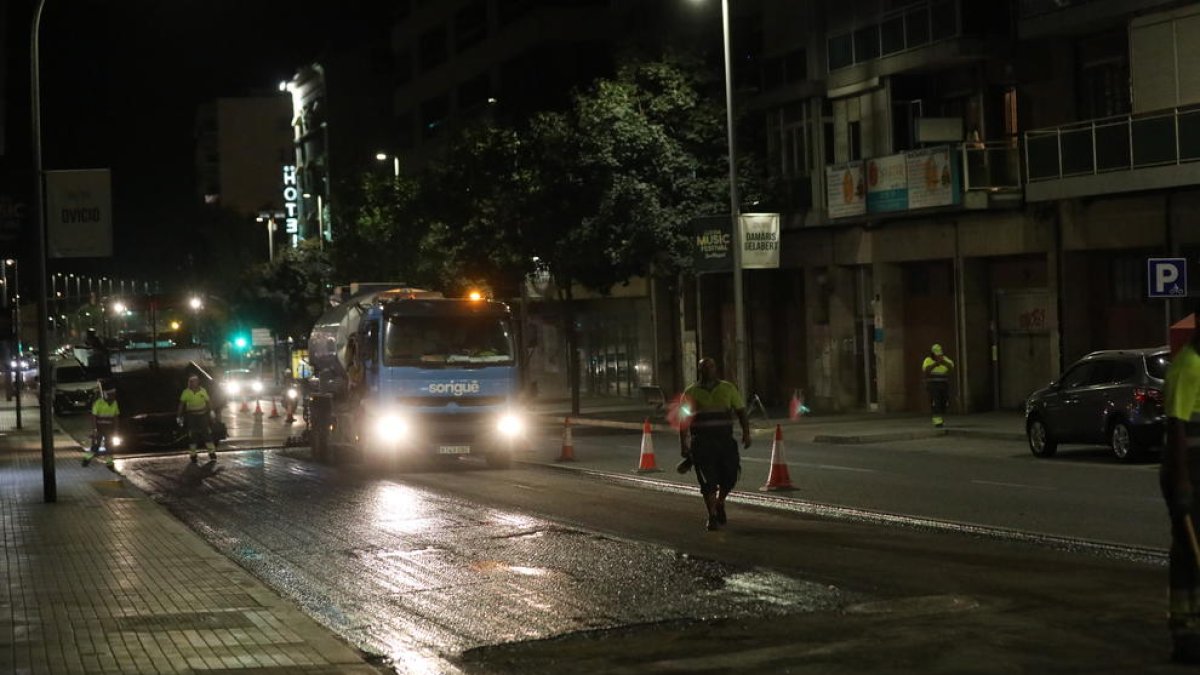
(423, 375)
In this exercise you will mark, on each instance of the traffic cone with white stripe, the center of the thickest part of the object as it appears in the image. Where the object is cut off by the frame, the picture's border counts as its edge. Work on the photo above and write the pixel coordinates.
(778, 479)
(646, 462)
(274, 410)
(257, 408)
(568, 446)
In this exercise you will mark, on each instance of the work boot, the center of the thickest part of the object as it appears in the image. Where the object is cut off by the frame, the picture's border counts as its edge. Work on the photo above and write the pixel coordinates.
(192, 456)
(111, 467)
(86, 461)
(720, 515)
(212, 455)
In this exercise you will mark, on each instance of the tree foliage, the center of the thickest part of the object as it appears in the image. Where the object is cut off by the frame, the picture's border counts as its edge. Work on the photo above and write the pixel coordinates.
(288, 294)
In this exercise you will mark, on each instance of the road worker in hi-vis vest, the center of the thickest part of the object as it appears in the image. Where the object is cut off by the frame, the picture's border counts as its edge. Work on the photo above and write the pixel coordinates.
(105, 414)
(937, 368)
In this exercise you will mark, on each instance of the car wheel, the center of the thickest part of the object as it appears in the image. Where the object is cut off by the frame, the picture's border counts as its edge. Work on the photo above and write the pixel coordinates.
(1040, 442)
(1123, 443)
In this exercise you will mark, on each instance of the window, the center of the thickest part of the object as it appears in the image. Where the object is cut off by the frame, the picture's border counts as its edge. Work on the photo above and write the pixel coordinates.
(1077, 376)
(1101, 372)
(866, 44)
(432, 341)
(470, 25)
(944, 23)
(1157, 366)
(854, 142)
(793, 140)
(891, 34)
(841, 51)
(1122, 371)
(916, 28)
(433, 48)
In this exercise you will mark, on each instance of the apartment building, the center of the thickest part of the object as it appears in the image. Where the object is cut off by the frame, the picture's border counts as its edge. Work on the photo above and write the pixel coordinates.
(988, 176)
(242, 145)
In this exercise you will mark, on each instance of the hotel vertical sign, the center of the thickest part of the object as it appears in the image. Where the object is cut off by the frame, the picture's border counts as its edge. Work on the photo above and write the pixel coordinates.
(291, 205)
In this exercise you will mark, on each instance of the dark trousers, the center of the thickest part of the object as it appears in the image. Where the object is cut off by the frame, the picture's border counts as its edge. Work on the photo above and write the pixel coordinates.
(939, 395)
(1183, 576)
(715, 458)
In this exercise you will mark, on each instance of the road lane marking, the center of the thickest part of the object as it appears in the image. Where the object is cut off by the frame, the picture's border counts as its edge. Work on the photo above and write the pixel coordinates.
(831, 467)
(1016, 485)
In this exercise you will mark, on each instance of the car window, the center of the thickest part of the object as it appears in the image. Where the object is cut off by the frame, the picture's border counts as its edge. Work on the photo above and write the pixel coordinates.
(1157, 364)
(1101, 373)
(1121, 371)
(1077, 375)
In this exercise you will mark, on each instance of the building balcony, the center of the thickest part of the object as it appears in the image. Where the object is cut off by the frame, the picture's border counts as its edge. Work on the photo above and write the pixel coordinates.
(971, 176)
(1127, 153)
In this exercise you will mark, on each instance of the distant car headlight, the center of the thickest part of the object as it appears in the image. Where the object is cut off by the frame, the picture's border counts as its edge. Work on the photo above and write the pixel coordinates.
(256, 386)
(233, 388)
(391, 428)
(510, 425)
(116, 441)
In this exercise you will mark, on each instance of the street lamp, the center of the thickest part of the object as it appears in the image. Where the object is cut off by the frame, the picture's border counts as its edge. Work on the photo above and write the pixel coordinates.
(739, 312)
(269, 217)
(383, 157)
(195, 302)
(16, 296)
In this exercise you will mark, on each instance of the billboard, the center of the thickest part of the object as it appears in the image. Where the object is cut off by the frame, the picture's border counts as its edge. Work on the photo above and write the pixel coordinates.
(79, 213)
(844, 190)
(760, 240)
(887, 183)
(933, 178)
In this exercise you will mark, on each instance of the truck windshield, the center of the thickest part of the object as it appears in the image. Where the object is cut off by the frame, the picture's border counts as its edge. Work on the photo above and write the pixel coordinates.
(430, 340)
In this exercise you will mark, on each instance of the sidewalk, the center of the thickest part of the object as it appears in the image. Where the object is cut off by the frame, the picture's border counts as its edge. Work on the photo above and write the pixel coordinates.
(844, 428)
(106, 581)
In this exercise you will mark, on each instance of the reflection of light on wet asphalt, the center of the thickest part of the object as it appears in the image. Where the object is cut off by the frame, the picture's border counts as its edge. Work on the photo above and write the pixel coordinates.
(412, 574)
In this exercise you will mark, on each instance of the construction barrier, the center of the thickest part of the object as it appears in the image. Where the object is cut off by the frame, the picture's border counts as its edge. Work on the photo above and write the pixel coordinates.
(646, 460)
(778, 479)
(568, 445)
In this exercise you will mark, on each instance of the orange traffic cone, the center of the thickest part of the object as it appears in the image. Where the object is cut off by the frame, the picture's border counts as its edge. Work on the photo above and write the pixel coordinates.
(274, 410)
(291, 417)
(257, 408)
(646, 462)
(778, 479)
(245, 407)
(568, 446)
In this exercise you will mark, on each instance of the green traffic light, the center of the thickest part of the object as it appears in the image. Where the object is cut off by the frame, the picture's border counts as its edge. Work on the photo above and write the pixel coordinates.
(239, 342)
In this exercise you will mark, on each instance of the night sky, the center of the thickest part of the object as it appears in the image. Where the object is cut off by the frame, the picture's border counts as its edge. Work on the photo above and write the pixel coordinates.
(121, 80)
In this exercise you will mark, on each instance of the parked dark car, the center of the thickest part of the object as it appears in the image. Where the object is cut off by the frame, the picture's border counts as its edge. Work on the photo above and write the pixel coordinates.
(1110, 397)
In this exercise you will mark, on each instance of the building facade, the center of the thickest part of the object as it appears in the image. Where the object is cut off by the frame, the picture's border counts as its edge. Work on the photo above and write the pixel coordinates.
(242, 145)
(988, 176)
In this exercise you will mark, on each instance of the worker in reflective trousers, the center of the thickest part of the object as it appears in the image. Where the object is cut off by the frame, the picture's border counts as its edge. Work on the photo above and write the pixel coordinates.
(105, 414)
(1178, 477)
(937, 368)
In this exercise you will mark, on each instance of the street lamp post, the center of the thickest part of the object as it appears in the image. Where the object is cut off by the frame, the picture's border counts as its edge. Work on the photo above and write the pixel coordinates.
(383, 157)
(45, 391)
(269, 217)
(739, 311)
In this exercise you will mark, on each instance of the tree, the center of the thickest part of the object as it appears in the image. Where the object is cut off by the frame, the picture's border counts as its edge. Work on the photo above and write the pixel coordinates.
(379, 234)
(288, 294)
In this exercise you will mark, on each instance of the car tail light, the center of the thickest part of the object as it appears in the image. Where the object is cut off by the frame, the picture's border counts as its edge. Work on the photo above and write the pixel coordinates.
(1141, 395)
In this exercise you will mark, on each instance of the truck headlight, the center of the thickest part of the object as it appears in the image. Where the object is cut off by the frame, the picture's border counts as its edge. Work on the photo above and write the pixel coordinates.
(510, 425)
(233, 388)
(391, 428)
(256, 386)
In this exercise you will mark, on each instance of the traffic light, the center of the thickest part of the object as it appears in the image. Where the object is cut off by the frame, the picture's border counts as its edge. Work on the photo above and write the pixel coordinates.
(240, 342)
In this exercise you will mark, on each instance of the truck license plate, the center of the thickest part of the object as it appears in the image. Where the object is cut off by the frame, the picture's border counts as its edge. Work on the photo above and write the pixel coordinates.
(454, 450)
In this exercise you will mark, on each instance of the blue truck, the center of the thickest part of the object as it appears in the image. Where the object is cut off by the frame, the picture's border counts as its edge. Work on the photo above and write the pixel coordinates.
(413, 374)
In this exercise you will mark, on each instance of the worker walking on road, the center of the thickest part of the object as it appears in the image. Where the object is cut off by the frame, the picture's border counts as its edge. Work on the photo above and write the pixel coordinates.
(195, 411)
(706, 437)
(1179, 478)
(937, 368)
(105, 415)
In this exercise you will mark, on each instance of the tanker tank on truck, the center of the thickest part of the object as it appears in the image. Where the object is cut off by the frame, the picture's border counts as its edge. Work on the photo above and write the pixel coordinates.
(415, 374)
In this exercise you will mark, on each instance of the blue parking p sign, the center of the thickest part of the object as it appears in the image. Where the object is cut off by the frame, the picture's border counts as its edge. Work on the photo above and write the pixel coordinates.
(1166, 277)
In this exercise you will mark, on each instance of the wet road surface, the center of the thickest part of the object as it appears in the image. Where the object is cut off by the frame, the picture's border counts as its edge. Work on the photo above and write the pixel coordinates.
(419, 575)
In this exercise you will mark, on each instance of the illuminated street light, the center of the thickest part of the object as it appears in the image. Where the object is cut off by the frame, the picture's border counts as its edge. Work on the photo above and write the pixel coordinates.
(119, 308)
(195, 302)
(175, 325)
(383, 157)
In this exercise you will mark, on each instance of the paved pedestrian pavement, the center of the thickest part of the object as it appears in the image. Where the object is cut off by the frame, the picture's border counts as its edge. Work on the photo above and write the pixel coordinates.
(106, 581)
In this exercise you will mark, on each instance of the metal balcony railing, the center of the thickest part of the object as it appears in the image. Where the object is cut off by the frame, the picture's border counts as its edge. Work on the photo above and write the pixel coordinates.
(993, 165)
(1111, 144)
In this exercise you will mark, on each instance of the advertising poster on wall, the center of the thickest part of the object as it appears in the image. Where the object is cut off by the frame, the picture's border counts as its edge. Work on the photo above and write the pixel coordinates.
(933, 178)
(760, 240)
(79, 213)
(713, 239)
(845, 190)
(887, 183)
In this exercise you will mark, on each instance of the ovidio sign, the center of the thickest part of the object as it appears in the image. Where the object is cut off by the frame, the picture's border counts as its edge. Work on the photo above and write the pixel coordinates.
(79, 213)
